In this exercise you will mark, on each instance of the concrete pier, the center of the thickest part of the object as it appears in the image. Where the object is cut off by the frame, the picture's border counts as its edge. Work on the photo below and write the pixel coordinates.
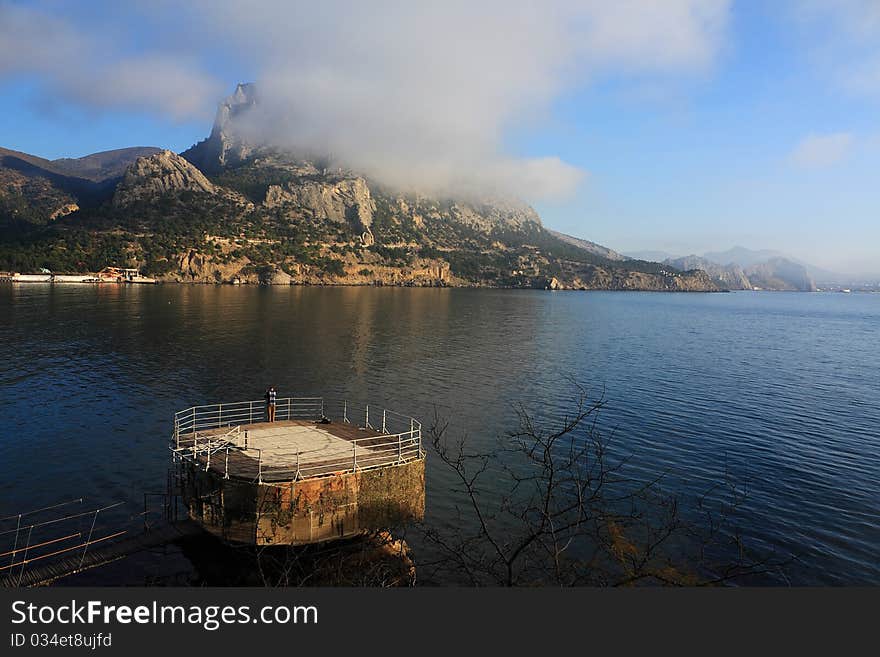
(305, 478)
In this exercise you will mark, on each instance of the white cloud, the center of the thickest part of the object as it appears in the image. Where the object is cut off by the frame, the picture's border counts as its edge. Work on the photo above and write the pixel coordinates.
(89, 69)
(417, 93)
(819, 151)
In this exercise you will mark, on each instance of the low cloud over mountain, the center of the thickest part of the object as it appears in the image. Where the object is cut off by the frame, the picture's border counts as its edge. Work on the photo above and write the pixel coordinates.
(420, 95)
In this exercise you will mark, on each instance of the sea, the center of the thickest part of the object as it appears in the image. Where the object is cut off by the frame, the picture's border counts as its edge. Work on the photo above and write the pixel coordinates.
(777, 391)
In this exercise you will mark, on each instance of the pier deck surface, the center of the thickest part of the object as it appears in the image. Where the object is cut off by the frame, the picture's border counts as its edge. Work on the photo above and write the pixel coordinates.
(278, 450)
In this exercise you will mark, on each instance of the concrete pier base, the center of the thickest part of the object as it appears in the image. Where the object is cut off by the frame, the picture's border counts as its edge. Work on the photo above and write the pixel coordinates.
(304, 511)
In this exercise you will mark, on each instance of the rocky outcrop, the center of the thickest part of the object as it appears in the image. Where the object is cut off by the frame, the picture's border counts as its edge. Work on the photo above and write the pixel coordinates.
(63, 211)
(197, 267)
(158, 174)
(336, 200)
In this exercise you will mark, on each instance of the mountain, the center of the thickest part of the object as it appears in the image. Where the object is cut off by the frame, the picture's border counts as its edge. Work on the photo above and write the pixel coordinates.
(744, 257)
(225, 146)
(766, 269)
(740, 255)
(780, 274)
(730, 276)
(34, 190)
(106, 165)
(160, 175)
(230, 209)
(744, 269)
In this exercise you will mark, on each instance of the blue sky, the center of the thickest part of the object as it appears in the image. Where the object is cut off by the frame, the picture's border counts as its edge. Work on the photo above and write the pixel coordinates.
(713, 161)
(729, 123)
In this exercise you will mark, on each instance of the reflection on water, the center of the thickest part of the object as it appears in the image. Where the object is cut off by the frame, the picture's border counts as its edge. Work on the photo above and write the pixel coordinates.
(779, 388)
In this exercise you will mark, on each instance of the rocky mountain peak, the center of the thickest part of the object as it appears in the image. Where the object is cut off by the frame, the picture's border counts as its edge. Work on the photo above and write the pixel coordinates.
(158, 174)
(245, 94)
(225, 145)
(242, 99)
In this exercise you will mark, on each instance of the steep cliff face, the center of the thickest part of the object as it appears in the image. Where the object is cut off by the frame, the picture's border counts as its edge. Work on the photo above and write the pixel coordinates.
(332, 199)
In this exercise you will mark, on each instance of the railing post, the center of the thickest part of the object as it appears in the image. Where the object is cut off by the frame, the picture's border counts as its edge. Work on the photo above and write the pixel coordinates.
(288, 408)
(226, 467)
(251, 412)
(400, 448)
(322, 408)
(384, 412)
(354, 457)
(297, 475)
(220, 415)
(345, 411)
(15, 547)
(88, 540)
(24, 556)
(367, 423)
(260, 468)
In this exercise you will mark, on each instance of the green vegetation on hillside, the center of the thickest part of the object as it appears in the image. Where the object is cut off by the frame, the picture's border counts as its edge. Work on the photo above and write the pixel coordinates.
(169, 224)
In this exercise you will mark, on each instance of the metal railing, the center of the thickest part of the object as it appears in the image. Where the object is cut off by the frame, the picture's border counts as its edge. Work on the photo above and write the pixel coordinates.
(61, 533)
(199, 437)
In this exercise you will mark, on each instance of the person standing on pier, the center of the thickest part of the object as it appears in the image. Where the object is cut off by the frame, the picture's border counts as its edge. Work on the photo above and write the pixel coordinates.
(271, 395)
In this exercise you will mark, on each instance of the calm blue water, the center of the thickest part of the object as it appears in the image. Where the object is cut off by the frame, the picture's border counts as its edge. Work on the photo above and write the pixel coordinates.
(779, 389)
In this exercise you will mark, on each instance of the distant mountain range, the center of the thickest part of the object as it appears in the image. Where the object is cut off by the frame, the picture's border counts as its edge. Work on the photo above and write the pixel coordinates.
(774, 273)
(743, 268)
(764, 268)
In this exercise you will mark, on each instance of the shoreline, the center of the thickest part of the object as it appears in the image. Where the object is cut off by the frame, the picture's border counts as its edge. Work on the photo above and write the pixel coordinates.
(475, 286)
